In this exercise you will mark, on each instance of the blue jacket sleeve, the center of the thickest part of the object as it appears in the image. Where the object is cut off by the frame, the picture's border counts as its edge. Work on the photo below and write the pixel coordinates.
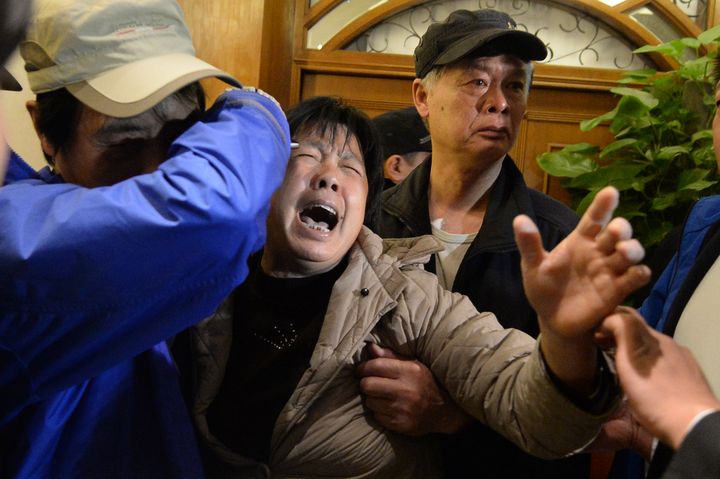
(92, 277)
(703, 215)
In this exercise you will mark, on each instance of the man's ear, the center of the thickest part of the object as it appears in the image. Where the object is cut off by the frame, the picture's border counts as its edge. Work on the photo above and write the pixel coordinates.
(47, 147)
(420, 95)
(393, 168)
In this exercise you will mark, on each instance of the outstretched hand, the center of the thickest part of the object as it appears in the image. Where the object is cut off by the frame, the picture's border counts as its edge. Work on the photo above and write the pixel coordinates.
(664, 385)
(404, 397)
(582, 280)
(578, 283)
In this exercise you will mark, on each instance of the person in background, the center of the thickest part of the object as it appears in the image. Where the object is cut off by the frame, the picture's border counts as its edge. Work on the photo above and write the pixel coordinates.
(8, 82)
(14, 16)
(275, 389)
(405, 143)
(682, 304)
(668, 394)
(473, 74)
(16, 168)
(140, 227)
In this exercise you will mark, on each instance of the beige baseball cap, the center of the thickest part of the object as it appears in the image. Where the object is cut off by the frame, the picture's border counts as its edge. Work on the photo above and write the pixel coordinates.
(119, 57)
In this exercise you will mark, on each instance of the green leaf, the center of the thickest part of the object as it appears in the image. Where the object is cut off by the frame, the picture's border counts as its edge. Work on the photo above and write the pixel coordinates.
(587, 125)
(630, 209)
(664, 48)
(663, 202)
(642, 76)
(645, 98)
(668, 153)
(631, 113)
(583, 148)
(618, 145)
(696, 69)
(656, 234)
(585, 202)
(699, 185)
(618, 174)
(566, 164)
(710, 35)
(701, 135)
(694, 180)
(693, 43)
(641, 73)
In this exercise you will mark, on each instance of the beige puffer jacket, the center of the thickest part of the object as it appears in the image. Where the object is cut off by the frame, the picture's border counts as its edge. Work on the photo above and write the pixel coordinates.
(495, 374)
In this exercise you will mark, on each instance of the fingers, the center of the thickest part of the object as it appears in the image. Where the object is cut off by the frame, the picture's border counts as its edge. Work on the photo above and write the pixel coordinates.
(633, 336)
(380, 367)
(615, 325)
(599, 212)
(379, 352)
(630, 280)
(604, 334)
(618, 230)
(528, 240)
(378, 387)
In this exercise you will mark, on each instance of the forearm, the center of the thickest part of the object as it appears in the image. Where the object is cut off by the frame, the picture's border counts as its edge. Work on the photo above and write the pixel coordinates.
(572, 362)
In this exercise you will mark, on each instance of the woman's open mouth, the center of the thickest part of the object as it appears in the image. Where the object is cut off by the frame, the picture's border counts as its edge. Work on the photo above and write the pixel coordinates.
(319, 217)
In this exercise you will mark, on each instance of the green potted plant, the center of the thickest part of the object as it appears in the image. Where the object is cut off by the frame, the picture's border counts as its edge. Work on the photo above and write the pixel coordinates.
(662, 158)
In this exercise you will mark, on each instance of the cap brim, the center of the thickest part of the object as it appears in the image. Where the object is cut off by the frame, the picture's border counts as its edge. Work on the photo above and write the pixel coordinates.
(8, 82)
(137, 87)
(522, 44)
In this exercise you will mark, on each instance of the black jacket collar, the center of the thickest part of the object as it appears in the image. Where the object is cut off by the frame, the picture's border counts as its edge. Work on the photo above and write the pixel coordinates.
(509, 197)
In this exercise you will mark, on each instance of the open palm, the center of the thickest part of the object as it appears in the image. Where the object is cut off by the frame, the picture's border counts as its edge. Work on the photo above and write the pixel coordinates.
(574, 286)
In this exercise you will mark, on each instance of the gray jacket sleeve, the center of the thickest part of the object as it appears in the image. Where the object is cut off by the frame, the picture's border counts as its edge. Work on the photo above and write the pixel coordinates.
(699, 454)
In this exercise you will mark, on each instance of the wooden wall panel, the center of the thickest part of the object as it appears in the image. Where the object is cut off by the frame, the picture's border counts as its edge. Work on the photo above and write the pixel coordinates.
(374, 95)
(227, 34)
(552, 122)
(251, 39)
(277, 49)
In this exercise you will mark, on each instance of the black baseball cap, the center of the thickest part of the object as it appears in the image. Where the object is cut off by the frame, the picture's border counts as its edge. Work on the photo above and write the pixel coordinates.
(480, 32)
(7, 81)
(402, 131)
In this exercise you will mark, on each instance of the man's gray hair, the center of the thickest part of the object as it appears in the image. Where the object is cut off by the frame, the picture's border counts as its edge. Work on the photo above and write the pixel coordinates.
(429, 80)
(177, 107)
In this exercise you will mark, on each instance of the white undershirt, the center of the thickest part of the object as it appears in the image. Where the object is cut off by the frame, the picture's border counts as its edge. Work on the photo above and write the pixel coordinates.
(699, 325)
(448, 260)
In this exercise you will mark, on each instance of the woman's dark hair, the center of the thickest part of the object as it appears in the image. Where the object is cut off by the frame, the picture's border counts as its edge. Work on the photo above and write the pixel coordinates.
(59, 113)
(325, 115)
(14, 17)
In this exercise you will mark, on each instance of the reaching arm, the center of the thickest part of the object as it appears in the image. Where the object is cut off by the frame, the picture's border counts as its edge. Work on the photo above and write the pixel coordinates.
(665, 387)
(578, 283)
(573, 287)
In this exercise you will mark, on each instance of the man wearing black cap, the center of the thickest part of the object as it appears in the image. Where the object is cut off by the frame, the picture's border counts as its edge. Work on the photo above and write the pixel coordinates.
(473, 76)
(405, 143)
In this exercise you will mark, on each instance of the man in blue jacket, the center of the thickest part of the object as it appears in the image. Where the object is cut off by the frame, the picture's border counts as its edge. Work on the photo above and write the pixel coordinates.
(683, 304)
(140, 228)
